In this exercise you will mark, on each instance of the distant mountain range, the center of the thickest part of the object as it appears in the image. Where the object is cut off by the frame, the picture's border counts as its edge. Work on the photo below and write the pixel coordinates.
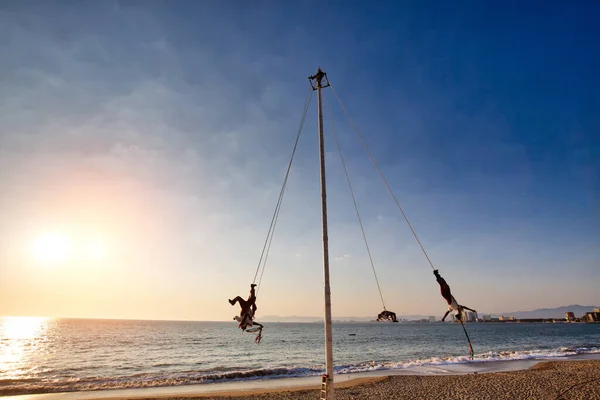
(558, 312)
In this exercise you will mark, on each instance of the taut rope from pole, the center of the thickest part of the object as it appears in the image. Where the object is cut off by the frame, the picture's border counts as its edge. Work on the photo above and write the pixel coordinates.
(362, 229)
(382, 177)
(268, 247)
(468, 338)
(265, 251)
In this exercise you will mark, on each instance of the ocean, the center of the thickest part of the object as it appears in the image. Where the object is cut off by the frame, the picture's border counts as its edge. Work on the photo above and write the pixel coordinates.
(40, 355)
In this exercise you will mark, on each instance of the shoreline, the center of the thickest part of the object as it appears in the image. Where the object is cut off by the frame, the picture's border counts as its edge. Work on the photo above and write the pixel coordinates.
(280, 386)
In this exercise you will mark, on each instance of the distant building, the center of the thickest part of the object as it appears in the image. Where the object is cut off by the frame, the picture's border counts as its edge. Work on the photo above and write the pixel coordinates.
(431, 318)
(593, 316)
(503, 318)
(570, 316)
(487, 317)
(589, 317)
(469, 316)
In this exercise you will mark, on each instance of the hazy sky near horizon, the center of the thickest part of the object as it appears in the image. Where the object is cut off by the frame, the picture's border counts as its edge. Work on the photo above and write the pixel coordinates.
(143, 145)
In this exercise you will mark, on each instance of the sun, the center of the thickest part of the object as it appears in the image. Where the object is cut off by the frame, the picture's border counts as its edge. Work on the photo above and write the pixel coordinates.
(52, 247)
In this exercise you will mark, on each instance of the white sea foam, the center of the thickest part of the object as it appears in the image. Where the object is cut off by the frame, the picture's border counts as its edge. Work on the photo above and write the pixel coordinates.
(479, 358)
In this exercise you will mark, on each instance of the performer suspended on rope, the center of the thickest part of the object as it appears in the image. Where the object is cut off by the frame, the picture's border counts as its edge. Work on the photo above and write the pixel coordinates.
(386, 315)
(246, 317)
(453, 305)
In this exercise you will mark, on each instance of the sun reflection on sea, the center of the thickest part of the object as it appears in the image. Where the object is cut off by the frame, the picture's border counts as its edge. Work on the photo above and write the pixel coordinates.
(19, 338)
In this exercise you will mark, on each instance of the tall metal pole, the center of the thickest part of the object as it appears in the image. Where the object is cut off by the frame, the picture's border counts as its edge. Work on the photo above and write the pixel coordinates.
(328, 378)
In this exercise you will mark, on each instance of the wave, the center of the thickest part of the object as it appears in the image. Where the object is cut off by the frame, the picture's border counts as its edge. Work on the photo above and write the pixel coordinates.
(15, 386)
(491, 356)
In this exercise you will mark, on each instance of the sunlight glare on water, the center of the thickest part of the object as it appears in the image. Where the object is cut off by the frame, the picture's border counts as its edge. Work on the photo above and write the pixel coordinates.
(20, 338)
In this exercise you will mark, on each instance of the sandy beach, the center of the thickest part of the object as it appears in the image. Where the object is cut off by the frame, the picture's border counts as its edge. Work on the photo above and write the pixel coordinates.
(547, 380)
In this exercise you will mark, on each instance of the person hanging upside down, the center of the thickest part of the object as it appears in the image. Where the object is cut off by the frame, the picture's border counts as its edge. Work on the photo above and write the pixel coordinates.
(386, 315)
(246, 317)
(248, 309)
(453, 305)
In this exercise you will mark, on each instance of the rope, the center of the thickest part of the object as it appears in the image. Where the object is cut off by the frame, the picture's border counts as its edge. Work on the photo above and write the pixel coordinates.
(468, 339)
(266, 247)
(362, 229)
(382, 176)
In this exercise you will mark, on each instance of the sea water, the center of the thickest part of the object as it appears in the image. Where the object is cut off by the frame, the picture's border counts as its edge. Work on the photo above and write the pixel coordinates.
(40, 355)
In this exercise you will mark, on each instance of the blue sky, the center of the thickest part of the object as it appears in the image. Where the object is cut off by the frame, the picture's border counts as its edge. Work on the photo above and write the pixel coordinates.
(163, 130)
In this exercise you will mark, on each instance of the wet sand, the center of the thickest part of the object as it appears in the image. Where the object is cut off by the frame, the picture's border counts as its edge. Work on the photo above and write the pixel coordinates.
(547, 380)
